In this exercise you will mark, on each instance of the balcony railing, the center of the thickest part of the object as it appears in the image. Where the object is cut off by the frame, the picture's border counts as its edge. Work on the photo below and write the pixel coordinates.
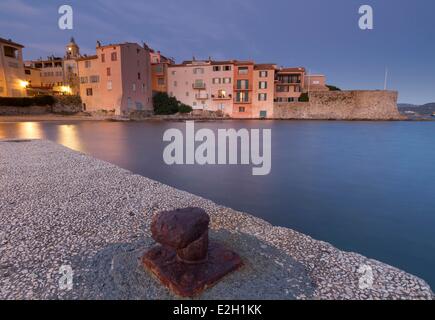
(221, 97)
(201, 96)
(198, 85)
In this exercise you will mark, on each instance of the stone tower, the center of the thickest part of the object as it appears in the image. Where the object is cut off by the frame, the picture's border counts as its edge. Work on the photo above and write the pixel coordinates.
(72, 50)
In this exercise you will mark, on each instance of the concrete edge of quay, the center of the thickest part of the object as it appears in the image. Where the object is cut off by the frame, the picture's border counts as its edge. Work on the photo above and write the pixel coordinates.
(59, 206)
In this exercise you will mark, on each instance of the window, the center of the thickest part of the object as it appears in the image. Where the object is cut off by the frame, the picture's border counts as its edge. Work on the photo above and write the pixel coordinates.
(242, 97)
(263, 74)
(243, 70)
(173, 73)
(175, 83)
(113, 56)
(227, 68)
(103, 57)
(160, 81)
(216, 80)
(83, 79)
(316, 82)
(134, 87)
(262, 97)
(198, 71)
(89, 92)
(138, 75)
(241, 109)
(11, 52)
(87, 64)
(227, 80)
(216, 68)
(194, 103)
(262, 85)
(282, 89)
(109, 85)
(109, 72)
(27, 71)
(242, 84)
(187, 93)
(94, 79)
(143, 87)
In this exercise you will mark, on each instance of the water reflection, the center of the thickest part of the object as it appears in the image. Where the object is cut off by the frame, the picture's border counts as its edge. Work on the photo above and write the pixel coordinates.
(30, 130)
(68, 136)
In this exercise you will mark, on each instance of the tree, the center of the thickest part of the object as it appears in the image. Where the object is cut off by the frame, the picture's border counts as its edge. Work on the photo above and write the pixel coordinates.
(164, 104)
(333, 88)
(304, 97)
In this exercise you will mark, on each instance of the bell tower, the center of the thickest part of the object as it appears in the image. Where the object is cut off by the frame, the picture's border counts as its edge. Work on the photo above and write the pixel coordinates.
(72, 49)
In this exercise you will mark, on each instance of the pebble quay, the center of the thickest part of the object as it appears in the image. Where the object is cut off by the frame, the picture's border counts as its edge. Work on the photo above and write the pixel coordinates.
(59, 207)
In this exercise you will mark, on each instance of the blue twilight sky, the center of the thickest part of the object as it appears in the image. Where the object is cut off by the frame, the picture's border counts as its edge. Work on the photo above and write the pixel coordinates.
(321, 35)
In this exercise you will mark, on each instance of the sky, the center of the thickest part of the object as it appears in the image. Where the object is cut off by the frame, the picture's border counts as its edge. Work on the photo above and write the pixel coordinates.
(323, 36)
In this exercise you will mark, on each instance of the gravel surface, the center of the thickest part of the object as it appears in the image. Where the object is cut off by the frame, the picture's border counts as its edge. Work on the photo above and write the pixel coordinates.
(60, 207)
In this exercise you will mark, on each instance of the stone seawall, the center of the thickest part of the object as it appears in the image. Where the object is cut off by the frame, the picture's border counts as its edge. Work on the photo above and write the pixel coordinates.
(343, 105)
(31, 110)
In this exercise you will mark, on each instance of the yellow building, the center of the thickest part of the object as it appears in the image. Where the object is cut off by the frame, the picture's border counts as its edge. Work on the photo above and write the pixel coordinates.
(12, 77)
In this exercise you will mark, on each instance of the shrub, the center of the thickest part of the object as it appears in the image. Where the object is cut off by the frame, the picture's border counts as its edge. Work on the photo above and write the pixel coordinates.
(304, 97)
(27, 101)
(69, 100)
(333, 88)
(184, 108)
(164, 104)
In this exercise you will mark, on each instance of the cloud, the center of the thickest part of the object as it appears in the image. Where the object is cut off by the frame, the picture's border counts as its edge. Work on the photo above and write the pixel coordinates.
(19, 7)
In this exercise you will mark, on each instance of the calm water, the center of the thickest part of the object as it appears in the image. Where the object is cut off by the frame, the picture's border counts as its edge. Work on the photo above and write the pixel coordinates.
(362, 186)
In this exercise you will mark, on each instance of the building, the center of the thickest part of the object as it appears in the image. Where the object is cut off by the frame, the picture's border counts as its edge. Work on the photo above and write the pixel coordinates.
(289, 84)
(264, 90)
(315, 82)
(159, 71)
(117, 78)
(59, 74)
(240, 89)
(203, 84)
(12, 76)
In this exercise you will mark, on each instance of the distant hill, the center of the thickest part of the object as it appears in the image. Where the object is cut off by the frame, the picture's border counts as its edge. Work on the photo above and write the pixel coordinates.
(424, 110)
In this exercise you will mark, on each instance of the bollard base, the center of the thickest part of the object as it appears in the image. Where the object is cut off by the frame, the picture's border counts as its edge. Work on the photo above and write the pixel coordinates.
(188, 280)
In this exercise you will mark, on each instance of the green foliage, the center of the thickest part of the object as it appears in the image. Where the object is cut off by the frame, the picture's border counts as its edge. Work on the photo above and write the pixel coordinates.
(304, 97)
(69, 100)
(27, 101)
(164, 105)
(333, 88)
(184, 108)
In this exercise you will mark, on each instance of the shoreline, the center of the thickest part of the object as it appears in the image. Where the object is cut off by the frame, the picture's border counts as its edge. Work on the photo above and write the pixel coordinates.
(57, 117)
(61, 206)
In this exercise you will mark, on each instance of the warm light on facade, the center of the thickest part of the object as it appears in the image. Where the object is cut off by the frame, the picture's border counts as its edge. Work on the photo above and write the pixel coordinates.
(66, 89)
(24, 84)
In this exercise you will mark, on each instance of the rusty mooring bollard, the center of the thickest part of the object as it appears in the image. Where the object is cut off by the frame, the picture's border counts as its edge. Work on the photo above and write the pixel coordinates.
(185, 261)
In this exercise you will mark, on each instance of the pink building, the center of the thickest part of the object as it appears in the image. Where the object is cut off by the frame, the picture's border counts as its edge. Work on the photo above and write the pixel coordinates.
(289, 84)
(264, 90)
(117, 78)
(12, 76)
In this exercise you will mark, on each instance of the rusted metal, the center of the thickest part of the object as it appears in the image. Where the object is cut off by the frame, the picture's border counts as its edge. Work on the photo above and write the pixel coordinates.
(186, 262)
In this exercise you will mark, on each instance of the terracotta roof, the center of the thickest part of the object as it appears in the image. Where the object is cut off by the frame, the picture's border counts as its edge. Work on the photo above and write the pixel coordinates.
(301, 69)
(87, 58)
(9, 41)
(265, 66)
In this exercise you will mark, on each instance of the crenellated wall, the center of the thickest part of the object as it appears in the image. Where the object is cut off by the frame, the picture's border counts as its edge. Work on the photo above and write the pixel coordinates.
(342, 105)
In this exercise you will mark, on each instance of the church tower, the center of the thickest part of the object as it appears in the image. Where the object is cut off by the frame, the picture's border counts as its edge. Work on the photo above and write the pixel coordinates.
(72, 50)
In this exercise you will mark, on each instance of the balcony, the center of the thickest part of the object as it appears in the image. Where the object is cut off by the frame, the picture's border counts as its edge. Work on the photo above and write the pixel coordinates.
(198, 85)
(221, 97)
(201, 96)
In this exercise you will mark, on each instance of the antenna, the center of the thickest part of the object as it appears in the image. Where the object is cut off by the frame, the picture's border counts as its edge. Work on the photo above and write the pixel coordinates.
(386, 78)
